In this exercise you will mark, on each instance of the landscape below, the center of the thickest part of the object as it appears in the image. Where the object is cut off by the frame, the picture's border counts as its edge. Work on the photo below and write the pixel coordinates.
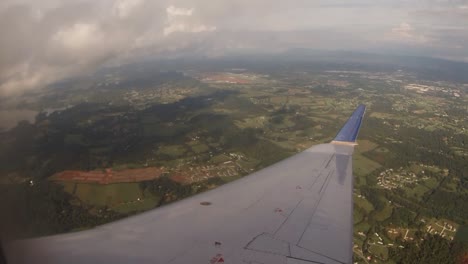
(132, 138)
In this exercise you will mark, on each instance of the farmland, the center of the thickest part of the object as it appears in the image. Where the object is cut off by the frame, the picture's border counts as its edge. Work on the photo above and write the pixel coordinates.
(104, 154)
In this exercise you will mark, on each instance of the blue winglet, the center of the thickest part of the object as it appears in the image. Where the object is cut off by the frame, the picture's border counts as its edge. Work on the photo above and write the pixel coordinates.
(349, 132)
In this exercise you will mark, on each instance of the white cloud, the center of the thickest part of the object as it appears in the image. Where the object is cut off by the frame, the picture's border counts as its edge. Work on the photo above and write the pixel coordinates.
(69, 39)
(404, 30)
(187, 28)
(27, 77)
(406, 33)
(179, 20)
(123, 8)
(173, 11)
(78, 36)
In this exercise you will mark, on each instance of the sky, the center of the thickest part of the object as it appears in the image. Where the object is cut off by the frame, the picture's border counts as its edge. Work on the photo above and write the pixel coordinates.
(45, 41)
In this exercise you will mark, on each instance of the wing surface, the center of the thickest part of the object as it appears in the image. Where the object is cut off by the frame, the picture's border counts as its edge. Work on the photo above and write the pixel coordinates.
(299, 210)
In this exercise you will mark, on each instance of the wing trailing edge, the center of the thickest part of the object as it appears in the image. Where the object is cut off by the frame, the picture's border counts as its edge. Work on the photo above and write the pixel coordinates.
(349, 132)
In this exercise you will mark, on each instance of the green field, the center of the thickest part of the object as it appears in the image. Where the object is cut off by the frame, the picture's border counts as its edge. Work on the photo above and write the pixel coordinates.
(462, 234)
(363, 166)
(416, 192)
(109, 195)
(383, 214)
(172, 151)
(200, 148)
(357, 216)
(363, 203)
(379, 250)
(421, 188)
(362, 227)
(121, 197)
(365, 145)
(147, 203)
(220, 158)
(254, 122)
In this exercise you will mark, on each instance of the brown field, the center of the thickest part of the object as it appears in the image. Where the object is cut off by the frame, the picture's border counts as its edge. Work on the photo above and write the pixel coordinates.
(109, 176)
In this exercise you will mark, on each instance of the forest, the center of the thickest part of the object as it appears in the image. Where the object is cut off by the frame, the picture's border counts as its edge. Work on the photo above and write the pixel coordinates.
(431, 250)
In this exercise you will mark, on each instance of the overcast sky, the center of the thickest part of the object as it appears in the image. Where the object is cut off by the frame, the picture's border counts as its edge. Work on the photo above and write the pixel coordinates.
(45, 41)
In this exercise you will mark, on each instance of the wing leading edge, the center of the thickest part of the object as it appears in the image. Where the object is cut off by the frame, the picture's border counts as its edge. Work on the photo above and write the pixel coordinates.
(299, 210)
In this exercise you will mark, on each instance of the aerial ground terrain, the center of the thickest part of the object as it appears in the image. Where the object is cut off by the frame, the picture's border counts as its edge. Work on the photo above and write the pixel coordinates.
(131, 138)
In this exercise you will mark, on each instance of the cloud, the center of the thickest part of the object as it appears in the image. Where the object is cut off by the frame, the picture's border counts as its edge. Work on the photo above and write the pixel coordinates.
(79, 36)
(124, 8)
(178, 20)
(40, 46)
(173, 11)
(43, 44)
(404, 30)
(45, 41)
(406, 33)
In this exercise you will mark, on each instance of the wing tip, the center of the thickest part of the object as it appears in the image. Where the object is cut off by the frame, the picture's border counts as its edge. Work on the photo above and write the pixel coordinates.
(349, 132)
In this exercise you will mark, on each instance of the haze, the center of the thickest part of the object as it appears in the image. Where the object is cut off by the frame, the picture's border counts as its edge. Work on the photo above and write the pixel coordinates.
(45, 41)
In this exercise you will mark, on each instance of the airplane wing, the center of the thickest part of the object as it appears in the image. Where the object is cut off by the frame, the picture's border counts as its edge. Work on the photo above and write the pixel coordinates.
(297, 211)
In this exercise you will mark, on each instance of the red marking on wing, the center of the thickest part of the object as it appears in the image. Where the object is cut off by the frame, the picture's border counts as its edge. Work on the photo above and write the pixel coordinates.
(216, 259)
